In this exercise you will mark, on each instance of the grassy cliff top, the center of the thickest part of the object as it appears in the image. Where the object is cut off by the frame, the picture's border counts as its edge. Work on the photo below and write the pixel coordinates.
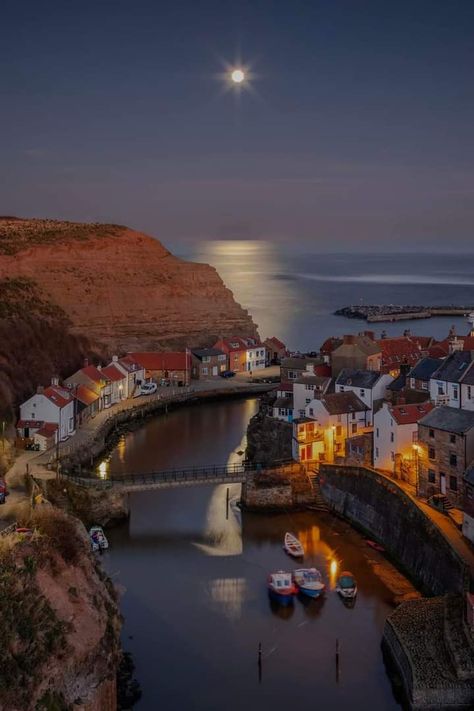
(17, 234)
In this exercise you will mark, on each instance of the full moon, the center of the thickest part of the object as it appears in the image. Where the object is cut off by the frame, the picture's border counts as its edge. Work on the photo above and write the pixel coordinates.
(237, 76)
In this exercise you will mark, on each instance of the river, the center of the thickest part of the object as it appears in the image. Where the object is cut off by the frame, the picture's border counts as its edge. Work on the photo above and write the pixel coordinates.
(194, 592)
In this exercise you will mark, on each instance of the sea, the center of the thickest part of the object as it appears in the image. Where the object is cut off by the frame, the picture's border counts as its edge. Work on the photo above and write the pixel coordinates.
(293, 295)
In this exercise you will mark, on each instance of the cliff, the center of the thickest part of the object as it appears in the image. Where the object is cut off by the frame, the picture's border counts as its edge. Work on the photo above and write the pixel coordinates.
(72, 289)
(59, 621)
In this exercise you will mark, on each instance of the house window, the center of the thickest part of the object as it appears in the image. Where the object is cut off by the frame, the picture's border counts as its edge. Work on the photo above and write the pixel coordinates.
(354, 428)
(424, 386)
(353, 416)
(440, 389)
(308, 400)
(311, 411)
(469, 392)
(431, 453)
(453, 460)
(431, 434)
(205, 371)
(309, 387)
(392, 456)
(391, 437)
(221, 357)
(377, 434)
(339, 418)
(362, 392)
(377, 452)
(206, 359)
(338, 431)
(453, 483)
(452, 438)
(431, 476)
(455, 393)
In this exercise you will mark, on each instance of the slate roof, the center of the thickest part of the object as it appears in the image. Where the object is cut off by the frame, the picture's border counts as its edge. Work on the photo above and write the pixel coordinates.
(341, 403)
(313, 380)
(206, 352)
(468, 377)
(424, 369)
(357, 378)
(358, 344)
(453, 367)
(397, 384)
(299, 363)
(449, 419)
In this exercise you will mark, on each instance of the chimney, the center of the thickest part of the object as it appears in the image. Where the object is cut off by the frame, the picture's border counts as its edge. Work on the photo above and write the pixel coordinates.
(86, 362)
(40, 390)
(383, 335)
(407, 332)
(55, 380)
(404, 368)
(115, 359)
(348, 339)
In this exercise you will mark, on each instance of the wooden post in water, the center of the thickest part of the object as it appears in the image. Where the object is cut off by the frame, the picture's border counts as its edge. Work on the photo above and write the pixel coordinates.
(337, 660)
(227, 504)
(259, 662)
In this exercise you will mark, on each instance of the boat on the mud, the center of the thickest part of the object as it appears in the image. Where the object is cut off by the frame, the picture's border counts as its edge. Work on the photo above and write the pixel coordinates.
(281, 588)
(293, 546)
(346, 585)
(98, 538)
(309, 582)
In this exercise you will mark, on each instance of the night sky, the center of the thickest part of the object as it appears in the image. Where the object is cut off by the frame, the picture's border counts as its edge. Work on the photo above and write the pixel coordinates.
(357, 130)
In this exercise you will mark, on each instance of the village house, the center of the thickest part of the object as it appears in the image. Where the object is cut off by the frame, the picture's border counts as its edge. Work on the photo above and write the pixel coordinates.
(53, 405)
(418, 378)
(87, 403)
(321, 434)
(445, 381)
(369, 385)
(245, 354)
(395, 438)
(400, 354)
(116, 379)
(133, 372)
(359, 450)
(445, 450)
(330, 345)
(466, 400)
(275, 350)
(468, 504)
(207, 363)
(356, 353)
(171, 367)
(307, 388)
(93, 378)
(295, 367)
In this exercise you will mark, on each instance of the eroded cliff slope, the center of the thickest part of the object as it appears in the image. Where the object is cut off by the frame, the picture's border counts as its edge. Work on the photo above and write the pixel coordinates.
(119, 287)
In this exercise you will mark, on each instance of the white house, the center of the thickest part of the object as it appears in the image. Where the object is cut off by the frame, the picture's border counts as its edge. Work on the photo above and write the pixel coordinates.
(117, 380)
(307, 388)
(445, 383)
(467, 389)
(321, 434)
(395, 437)
(134, 373)
(51, 405)
(370, 386)
(282, 408)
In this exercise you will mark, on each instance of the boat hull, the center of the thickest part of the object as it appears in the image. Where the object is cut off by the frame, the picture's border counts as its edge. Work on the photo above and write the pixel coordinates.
(284, 599)
(310, 592)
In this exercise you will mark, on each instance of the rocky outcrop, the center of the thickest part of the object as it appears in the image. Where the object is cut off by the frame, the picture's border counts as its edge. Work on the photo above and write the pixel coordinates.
(120, 287)
(268, 439)
(59, 621)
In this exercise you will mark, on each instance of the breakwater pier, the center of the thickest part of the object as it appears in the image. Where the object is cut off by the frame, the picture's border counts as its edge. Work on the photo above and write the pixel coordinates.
(373, 313)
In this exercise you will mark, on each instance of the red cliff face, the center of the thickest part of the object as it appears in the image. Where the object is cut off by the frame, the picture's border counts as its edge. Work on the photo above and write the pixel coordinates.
(119, 287)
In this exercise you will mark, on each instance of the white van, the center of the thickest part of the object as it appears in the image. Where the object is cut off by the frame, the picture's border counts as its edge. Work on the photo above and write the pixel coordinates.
(148, 388)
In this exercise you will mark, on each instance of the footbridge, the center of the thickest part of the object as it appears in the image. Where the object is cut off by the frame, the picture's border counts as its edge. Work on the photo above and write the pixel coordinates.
(172, 478)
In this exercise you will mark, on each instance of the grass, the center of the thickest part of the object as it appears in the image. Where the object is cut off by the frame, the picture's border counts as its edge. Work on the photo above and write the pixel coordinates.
(17, 235)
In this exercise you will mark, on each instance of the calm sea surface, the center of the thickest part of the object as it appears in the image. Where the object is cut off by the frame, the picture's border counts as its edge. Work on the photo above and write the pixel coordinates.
(294, 296)
(194, 592)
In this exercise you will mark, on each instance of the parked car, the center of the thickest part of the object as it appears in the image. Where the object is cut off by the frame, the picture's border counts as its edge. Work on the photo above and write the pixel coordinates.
(227, 374)
(148, 388)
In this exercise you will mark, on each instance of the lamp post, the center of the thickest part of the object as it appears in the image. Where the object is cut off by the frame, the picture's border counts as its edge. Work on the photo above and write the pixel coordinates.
(415, 450)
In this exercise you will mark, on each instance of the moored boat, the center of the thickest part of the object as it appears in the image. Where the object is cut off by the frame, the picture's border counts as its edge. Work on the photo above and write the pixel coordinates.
(98, 538)
(281, 588)
(293, 546)
(346, 585)
(376, 546)
(309, 581)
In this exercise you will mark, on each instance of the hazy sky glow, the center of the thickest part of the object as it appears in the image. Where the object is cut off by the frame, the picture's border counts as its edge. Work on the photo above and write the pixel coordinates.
(357, 131)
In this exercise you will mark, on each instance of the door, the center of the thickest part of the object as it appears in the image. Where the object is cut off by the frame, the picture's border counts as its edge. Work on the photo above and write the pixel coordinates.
(442, 482)
(214, 369)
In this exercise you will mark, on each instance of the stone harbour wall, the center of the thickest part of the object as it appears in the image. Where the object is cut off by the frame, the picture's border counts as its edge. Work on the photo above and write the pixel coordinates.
(384, 511)
(277, 489)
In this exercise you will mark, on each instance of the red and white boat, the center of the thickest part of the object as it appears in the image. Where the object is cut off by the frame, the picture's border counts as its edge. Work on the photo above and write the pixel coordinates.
(281, 587)
(293, 546)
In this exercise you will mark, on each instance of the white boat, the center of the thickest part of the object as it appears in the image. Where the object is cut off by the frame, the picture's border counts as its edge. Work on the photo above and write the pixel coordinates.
(346, 585)
(293, 546)
(309, 581)
(98, 538)
(281, 588)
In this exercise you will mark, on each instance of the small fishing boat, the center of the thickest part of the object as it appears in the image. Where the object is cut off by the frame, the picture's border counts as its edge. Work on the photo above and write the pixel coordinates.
(375, 546)
(346, 585)
(281, 588)
(293, 546)
(98, 538)
(309, 581)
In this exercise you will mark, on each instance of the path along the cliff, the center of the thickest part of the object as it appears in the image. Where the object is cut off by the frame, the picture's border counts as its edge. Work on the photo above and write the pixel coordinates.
(40, 464)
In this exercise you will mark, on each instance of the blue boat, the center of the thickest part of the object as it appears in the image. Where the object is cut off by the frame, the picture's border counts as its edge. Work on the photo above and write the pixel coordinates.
(281, 588)
(309, 582)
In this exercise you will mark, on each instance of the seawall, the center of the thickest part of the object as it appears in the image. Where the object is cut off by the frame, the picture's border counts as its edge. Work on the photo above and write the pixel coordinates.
(382, 509)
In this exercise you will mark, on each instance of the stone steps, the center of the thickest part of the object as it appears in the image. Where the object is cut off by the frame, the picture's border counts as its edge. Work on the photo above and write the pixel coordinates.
(319, 501)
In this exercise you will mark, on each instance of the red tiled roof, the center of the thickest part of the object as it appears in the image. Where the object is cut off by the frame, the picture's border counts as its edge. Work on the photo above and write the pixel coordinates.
(410, 414)
(29, 423)
(276, 342)
(112, 373)
(330, 344)
(286, 387)
(438, 350)
(85, 395)
(163, 361)
(399, 350)
(237, 343)
(58, 396)
(323, 370)
(93, 373)
(467, 343)
(129, 363)
(48, 429)
(423, 341)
